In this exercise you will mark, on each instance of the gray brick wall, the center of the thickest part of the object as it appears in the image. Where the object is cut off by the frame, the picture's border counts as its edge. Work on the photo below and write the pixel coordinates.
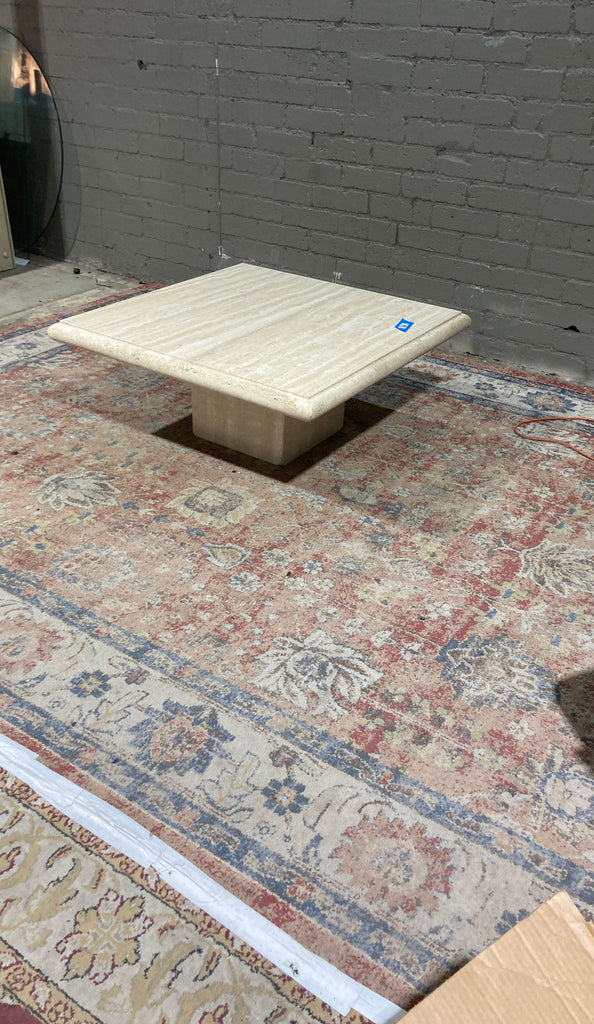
(439, 149)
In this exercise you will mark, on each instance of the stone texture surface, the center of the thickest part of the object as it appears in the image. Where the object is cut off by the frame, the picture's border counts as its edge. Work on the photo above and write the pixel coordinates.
(289, 344)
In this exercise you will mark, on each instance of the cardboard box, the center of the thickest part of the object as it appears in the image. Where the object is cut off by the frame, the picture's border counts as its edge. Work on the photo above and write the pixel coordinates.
(540, 972)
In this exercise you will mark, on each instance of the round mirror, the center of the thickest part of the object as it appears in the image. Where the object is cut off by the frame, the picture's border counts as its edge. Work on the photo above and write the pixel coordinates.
(30, 143)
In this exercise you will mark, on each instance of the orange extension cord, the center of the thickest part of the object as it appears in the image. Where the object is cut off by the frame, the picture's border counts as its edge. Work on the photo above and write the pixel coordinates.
(554, 440)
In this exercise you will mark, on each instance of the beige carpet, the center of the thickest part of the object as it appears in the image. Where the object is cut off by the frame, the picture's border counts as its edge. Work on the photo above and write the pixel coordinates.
(355, 691)
(87, 936)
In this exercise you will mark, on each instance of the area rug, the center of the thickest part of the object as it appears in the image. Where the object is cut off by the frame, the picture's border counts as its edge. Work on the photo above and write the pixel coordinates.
(357, 690)
(87, 936)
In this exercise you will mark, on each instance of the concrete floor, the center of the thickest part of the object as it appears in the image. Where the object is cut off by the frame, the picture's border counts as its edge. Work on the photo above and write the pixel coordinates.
(43, 287)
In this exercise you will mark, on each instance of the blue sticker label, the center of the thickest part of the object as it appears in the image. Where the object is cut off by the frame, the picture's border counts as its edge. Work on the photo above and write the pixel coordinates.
(404, 325)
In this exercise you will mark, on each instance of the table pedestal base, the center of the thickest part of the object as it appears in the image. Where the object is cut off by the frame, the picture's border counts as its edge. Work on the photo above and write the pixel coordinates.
(254, 430)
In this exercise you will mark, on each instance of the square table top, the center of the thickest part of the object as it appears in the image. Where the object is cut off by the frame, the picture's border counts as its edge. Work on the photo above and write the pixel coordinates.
(286, 342)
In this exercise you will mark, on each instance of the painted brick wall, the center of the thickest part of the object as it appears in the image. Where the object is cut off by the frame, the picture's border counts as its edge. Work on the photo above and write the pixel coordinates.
(439, 149)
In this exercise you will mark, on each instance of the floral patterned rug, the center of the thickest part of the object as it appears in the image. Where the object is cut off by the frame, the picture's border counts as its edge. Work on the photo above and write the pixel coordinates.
(356, 690)
(88, 936)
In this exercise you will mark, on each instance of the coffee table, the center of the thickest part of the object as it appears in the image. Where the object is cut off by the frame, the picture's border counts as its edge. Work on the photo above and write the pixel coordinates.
(271, 356)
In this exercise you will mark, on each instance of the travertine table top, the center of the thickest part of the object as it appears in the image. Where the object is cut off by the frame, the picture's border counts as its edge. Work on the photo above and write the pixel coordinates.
(289, 343)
